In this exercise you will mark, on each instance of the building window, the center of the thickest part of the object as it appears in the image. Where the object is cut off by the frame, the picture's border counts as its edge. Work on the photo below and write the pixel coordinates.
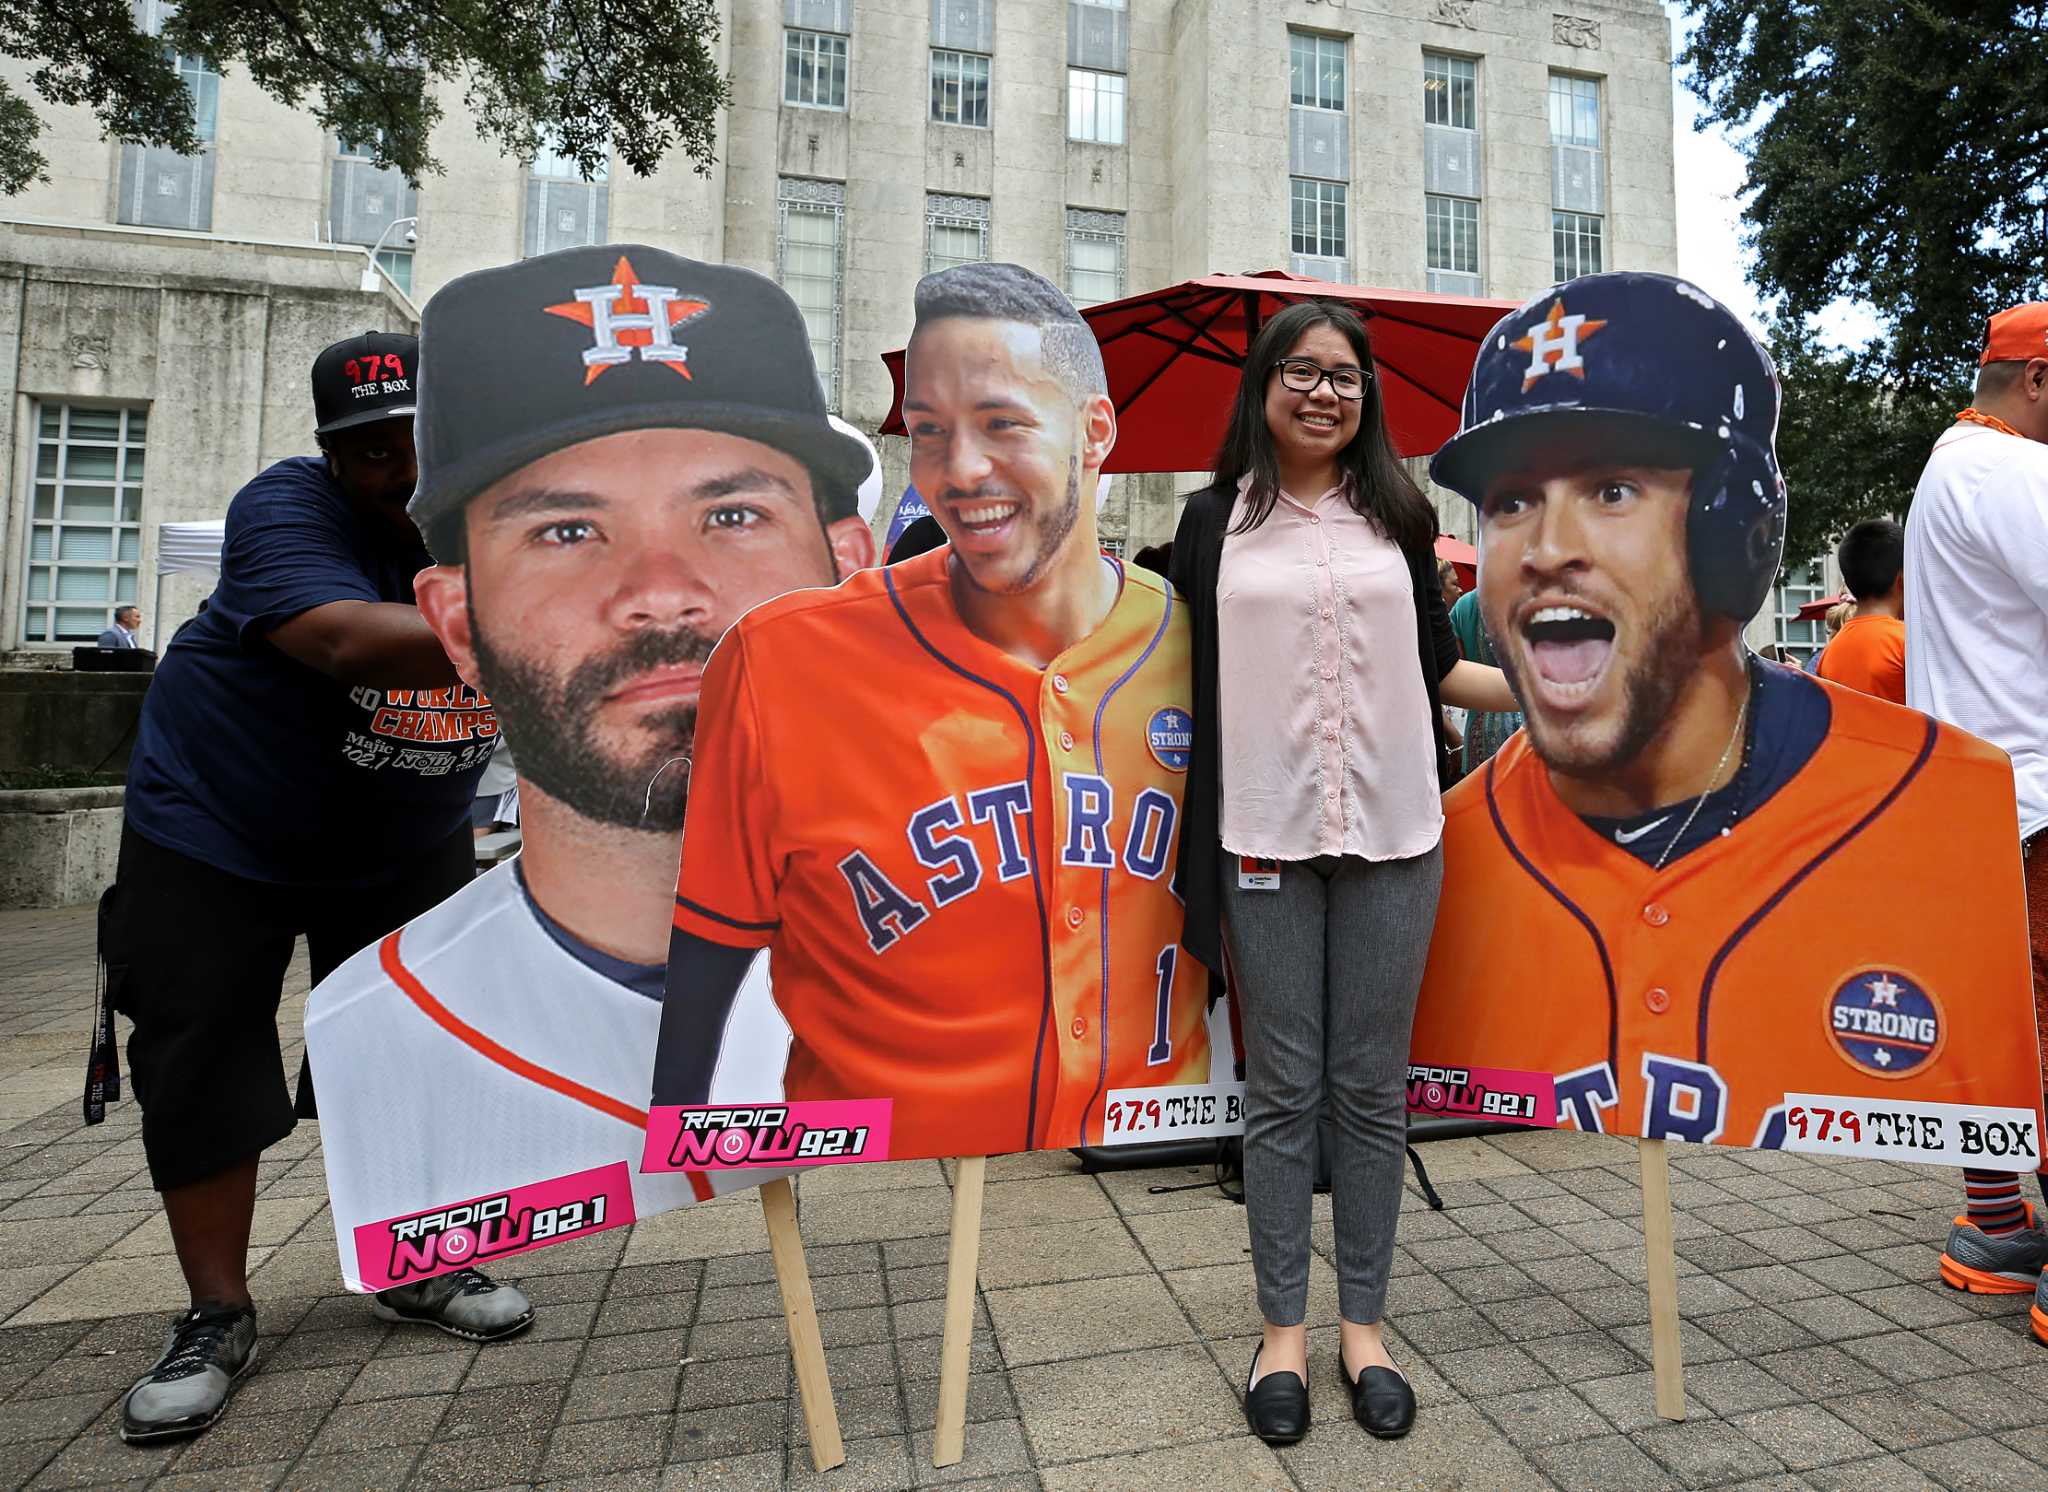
(1802, 584)
(1315, 71)
(1450, 91)
(813, 70)
(1095, 256)
(397, 263)
(1453, 229)
(160, 188)
(1574, 111)
(363, 202)
(959, 88)
(1318, 219)
(1095, 106)
(85, 521)
(1575, 244)
(204, 85)
(955, 231)
(810, 215)
(202, 81)
(564, 210)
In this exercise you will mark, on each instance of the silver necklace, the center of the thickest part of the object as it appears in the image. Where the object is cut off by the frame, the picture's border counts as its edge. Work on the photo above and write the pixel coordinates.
(1700, 802)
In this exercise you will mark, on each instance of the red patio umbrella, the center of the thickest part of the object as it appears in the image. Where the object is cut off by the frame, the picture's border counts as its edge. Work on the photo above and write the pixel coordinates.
(1173, 357)
(1813, 611)
(1463, 557)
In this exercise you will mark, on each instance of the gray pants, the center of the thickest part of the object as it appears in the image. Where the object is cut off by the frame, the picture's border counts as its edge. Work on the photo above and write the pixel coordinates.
(1327, 970)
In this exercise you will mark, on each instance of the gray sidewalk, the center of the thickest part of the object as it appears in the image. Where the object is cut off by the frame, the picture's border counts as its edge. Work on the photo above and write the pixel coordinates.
(1115, 1328)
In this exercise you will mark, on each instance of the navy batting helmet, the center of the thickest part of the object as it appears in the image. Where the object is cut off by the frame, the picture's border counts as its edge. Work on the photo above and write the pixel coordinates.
(1659, 355)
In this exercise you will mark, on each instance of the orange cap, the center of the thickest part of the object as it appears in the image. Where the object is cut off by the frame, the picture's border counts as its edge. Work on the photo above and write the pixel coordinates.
(2018, 335)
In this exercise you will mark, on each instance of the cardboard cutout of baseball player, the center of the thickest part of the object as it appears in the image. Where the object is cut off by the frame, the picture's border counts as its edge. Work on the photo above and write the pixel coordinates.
(944, 797)
(1700, 896)
(620, 451)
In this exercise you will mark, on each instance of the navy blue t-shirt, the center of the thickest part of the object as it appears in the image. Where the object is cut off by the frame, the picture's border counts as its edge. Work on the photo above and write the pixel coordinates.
(255, 763)
(642, 979)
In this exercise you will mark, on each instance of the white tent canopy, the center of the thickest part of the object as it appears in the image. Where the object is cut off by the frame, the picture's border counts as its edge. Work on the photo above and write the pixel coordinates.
(190, 546)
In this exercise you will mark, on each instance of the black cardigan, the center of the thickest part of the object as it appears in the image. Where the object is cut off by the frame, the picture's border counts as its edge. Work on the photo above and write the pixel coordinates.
(1197, 553)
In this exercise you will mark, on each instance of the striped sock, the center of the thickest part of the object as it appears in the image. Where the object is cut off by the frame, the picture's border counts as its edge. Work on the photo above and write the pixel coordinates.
(1994, 1204)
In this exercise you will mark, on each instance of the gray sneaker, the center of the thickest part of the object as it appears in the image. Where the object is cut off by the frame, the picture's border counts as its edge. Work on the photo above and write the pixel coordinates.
(208, 1351)
(1983, 1265)
(467, 1303)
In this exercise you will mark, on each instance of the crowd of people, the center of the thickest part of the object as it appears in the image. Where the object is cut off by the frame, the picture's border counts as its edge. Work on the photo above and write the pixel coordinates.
(1339, 684)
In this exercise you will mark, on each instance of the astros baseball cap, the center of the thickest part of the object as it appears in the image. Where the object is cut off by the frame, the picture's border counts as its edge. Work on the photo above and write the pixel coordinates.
(364, 379)
(1618, 351)
(533, 357)
(2017, 335)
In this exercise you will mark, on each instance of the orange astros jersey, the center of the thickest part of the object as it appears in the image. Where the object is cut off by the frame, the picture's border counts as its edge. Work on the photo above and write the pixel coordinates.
(961, 865)
(1861, 932)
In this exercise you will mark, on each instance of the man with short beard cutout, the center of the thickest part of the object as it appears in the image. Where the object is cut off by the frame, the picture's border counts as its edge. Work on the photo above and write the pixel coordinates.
(628, 450)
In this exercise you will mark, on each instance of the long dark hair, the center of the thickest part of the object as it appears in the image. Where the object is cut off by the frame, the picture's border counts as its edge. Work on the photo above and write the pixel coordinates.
(1380, 486)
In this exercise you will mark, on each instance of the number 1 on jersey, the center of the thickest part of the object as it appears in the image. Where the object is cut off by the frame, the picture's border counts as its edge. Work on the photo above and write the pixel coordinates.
(1162, 1038)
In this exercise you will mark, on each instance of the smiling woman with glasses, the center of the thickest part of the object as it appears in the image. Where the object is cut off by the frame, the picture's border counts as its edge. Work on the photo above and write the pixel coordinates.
(1305, 376)
(1322, 655)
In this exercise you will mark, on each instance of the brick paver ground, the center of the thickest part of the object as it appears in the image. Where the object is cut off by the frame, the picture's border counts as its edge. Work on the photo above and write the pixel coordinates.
(1116, 1323)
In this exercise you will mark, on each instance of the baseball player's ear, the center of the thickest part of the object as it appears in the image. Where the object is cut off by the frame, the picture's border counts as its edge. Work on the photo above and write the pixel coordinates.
(443, 597)
(1098, 431)
(853, 543)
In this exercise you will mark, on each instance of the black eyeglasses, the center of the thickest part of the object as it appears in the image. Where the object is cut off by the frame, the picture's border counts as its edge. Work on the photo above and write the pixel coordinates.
(1304, 376)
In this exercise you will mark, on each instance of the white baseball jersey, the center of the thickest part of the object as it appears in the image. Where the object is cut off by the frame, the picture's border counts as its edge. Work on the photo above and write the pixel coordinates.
(471, 1052)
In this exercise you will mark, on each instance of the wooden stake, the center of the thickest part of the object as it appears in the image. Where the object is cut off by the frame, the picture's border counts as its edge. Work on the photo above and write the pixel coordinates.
(963, 1261)
(1666, 1357)
(800, 1315)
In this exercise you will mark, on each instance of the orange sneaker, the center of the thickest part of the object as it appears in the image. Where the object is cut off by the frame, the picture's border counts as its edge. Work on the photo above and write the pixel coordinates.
(2010, 1265)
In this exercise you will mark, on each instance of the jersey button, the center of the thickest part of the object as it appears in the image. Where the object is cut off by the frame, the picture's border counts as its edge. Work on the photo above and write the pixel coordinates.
(1059, 683)
(1066, 740)
(1655, 914)
(1079, 1028)
(1074, 915)
(1658, 999)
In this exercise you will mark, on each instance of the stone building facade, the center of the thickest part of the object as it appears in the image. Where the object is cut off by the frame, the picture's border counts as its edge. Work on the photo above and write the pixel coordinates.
(1470, 146)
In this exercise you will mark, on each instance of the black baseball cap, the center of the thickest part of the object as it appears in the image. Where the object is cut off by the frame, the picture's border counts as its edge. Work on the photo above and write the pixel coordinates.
(363, 379)
(552, 351)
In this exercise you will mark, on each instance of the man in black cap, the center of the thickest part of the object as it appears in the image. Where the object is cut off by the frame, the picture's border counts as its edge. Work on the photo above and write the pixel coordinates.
(304, 768)
(621, 451)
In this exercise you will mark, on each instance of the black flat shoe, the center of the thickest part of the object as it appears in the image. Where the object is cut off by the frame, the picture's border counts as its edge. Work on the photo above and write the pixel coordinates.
(1276, 1406)
(1381, 1400)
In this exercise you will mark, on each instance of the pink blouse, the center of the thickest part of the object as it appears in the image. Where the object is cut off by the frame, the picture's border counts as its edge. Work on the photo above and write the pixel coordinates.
(1326, 740)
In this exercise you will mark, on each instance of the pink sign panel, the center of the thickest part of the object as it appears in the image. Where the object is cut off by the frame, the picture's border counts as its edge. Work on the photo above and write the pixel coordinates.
(699, 1137)
(462, 1235)
(1483, 1093)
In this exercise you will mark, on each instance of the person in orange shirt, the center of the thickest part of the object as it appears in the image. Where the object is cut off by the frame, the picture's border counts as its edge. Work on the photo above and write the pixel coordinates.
(1869, 653)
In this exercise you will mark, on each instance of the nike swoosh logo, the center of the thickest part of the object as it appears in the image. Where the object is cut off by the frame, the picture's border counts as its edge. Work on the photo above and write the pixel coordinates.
(1630, 836)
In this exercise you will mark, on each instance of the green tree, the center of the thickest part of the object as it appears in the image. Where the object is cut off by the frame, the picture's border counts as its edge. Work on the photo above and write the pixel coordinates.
(1898, 155)
(587, 76)
(1851, 438)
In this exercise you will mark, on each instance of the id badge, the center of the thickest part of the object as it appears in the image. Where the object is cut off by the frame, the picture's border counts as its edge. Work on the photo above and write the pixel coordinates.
(1254, 874)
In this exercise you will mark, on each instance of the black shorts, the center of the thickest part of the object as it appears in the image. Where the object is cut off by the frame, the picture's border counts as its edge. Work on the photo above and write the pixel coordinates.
(196, 958)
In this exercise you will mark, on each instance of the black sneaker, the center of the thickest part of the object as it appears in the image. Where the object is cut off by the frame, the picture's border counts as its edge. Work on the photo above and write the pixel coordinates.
(465, 1303)
(209, 1351)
